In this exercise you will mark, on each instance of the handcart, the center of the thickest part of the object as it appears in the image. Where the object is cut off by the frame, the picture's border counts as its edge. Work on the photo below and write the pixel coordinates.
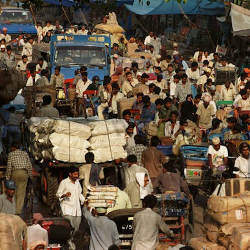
(176, 210)
(194, 162)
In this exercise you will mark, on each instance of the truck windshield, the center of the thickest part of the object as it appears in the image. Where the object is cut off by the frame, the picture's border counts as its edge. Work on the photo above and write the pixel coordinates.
(13, 16)
(84, 55)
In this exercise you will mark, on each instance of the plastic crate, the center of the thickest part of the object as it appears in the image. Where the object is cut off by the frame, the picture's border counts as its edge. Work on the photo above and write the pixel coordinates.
(166, 150)
(195, 153)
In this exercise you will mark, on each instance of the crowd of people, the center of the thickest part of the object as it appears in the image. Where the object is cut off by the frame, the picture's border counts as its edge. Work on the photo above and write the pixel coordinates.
(177, 99)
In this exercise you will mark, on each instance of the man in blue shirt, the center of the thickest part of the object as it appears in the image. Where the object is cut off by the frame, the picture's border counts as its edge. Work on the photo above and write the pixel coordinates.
(148, 110)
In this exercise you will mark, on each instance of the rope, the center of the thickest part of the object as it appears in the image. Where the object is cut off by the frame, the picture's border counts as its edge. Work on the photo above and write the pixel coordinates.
(69, 141)
(112, 158)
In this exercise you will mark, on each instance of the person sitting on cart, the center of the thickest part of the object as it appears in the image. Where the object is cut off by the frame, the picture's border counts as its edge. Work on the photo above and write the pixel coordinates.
(217, 156)
(47, 110)
(170, 180)
(147, 224)
(57, 79)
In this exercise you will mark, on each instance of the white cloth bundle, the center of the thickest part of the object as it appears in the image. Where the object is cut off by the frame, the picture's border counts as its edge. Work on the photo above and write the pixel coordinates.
(103, 141)
(72, 128)
(104, 154)
(66, 141)
(72, 155)
(108, 127)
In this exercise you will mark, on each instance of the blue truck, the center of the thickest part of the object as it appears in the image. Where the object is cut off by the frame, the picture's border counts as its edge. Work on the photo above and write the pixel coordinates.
(17, 21)
(70, 52)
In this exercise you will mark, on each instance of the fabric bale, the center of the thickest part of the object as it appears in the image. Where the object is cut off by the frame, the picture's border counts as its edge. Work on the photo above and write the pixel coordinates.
(103, 141)
(73, 155)
(125, 103)
(111, 28)
(202, 243)
(105, 154)
(241, 238)
(237, 186)
(108, 127)
(225, 241)
(72, 128)
(68, 141)
(212, 229)
(229, 209)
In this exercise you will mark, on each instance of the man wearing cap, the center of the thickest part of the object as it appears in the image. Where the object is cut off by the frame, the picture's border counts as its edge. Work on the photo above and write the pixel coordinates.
(5, 36)
(7, 199)
(19, 169)
(103, 231)
(205, 113)
(217, 155)
(175, 49)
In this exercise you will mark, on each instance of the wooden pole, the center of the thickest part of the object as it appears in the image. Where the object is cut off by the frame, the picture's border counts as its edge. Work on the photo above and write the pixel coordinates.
(33, 14)
(65, 13)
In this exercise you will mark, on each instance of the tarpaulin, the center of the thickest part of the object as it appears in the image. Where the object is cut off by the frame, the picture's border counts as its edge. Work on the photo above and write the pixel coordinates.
(240, 20)
(163, 7)
(66, 3)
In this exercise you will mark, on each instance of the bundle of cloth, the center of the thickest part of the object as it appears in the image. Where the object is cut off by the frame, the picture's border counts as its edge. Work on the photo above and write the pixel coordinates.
(108, 139)
(69, 141)
(102, 196)
(59, 139)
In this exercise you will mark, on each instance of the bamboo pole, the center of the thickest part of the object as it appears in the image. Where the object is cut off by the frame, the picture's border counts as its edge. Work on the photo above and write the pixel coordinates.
(65, 13)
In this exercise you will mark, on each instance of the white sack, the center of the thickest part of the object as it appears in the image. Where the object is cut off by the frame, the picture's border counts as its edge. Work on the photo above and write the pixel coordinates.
(103, 141)
(66, 141)
(74, 155)
(104, 154)
(108, 127)
(72, 128)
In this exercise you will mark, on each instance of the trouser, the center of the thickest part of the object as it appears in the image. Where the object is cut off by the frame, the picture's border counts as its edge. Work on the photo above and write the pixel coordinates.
(20, 177)
(81, 107)
(100, 110)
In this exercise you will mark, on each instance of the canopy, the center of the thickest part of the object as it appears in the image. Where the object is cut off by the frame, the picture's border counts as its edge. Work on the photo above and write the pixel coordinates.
(240, 20)
(163, 7)
(66, 3)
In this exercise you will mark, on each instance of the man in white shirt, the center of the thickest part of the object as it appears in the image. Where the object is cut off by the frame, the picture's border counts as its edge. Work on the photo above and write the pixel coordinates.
(70, 196)
(193, 73)
(149, 38)
(217, 155)
(81, 86)
(243, 161)
(116, 96)
(173, 83)
(22, 64)
(5, 36)
(128, 84)
(33, 78)
(42, 64)
(27, 49)
(47, 28)
(228, 92)
(244, 102)
(83, 31)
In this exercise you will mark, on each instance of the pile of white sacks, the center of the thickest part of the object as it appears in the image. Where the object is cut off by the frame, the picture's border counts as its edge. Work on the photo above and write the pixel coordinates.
(69, 141)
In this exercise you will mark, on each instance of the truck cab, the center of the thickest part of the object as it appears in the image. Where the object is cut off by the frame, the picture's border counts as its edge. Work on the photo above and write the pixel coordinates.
(17, 21)
(70, 52)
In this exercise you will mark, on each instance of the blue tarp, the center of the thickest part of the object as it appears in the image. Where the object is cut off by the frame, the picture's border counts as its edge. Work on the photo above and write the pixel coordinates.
(66, 3)
(163, 7)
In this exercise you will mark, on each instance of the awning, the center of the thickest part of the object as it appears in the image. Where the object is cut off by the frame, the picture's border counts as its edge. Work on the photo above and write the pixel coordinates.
(162, 7)
(240, 20)
(66, 3)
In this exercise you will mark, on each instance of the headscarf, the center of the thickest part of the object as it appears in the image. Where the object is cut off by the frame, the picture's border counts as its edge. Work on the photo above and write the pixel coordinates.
(144, 191)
